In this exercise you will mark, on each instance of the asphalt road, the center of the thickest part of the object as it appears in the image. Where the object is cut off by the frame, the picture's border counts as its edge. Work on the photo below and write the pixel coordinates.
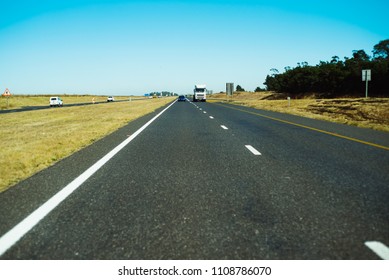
(213, 181)
(34, 108)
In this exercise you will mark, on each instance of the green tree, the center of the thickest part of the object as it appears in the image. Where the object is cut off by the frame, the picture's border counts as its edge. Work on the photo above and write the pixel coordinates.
(381, 50)
(239, 88)
(335, 77)
(360, 55)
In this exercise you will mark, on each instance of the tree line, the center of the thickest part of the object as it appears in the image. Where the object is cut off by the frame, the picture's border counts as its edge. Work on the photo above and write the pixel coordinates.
(336, 77)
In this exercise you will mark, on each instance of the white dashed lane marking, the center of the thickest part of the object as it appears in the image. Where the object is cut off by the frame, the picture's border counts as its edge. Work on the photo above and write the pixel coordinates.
(224, 127)
(253, 150)
(379, 248)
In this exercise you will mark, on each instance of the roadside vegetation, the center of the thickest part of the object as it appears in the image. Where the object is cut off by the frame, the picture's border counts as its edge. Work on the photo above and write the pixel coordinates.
(363, 112)
(336, 77)
(33, 140)
(331, 90)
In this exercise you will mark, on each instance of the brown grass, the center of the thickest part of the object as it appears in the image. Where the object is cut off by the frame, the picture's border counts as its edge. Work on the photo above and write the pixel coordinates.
(368, 113)
(34, 140)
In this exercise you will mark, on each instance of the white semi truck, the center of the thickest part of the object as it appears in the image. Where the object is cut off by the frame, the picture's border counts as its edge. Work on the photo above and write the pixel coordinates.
(200, 93)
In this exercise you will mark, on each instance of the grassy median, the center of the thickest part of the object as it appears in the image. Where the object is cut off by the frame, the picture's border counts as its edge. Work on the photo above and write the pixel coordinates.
(33, 140)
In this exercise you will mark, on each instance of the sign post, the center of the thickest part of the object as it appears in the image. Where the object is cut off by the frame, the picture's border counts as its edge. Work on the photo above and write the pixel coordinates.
(7, 94)
(366, 76)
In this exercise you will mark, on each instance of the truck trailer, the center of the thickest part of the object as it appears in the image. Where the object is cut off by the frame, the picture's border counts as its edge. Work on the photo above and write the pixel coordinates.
(200, 93)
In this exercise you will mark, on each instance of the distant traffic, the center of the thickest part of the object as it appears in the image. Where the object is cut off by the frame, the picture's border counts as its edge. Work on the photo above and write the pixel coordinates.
(200, 93)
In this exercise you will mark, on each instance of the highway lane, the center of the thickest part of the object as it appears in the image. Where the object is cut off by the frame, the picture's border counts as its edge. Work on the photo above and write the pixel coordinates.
(188, 188)
(34, 108)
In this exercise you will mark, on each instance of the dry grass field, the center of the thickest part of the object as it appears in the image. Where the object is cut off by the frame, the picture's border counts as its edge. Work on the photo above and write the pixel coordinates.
(33, 140)
(368, 113)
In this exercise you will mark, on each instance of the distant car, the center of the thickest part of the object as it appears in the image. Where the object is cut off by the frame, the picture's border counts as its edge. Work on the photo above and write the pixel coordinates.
(110, 99)
(56, 101)
(181, 98)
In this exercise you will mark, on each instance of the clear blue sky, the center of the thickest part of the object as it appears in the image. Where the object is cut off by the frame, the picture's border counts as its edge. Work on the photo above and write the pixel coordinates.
(133, 47)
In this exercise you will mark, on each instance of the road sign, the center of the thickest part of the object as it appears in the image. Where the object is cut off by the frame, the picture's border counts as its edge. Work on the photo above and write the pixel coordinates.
(366, 75)
(7, 92)
(229, 88)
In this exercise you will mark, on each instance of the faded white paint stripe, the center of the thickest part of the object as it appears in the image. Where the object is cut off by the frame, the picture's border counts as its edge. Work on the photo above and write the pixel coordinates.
(379, 248)
(18, 231)
(253, 150)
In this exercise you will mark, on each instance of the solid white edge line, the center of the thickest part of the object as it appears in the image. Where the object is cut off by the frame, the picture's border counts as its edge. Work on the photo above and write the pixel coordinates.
(379, 248)
(224, 127)
(18, 231)
(253, 150)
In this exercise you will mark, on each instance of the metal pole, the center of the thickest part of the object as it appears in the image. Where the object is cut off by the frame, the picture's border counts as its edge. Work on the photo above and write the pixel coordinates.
(366, 83)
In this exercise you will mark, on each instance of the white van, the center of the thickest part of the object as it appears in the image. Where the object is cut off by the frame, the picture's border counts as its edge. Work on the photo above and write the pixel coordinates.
(56, 101)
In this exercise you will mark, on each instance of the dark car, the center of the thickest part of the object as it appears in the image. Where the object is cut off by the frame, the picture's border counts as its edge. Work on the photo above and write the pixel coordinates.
(181, 98)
